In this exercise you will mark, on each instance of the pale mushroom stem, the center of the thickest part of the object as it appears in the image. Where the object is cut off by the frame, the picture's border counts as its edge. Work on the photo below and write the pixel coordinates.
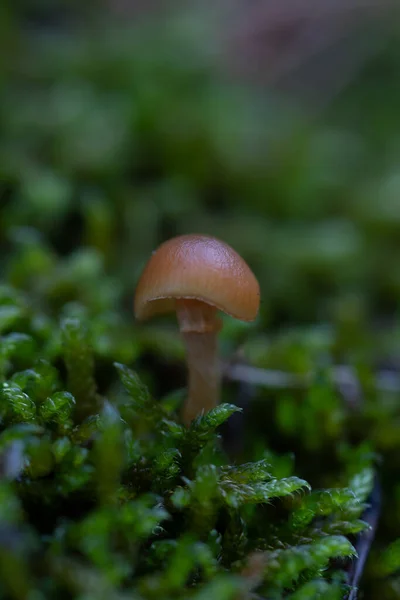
(199, 327)
(204, 374)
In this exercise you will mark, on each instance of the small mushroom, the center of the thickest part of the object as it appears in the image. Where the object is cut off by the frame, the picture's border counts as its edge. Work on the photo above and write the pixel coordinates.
(197, 275)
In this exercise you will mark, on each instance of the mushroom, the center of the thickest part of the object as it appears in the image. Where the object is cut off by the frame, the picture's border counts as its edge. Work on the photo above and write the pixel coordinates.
(197, 275)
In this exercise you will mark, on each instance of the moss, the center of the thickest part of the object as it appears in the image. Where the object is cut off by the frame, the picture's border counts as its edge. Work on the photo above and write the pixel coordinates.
(145, 506)
(140, 505)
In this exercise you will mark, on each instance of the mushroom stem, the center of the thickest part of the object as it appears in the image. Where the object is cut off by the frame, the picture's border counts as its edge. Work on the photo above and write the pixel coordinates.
(204, 374)
(199, 326)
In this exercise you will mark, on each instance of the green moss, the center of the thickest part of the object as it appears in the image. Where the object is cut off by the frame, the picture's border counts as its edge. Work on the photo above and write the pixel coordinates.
(130, 496)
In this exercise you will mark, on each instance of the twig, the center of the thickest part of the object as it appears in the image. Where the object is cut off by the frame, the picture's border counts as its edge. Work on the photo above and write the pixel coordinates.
(365, 539)
(342, 376)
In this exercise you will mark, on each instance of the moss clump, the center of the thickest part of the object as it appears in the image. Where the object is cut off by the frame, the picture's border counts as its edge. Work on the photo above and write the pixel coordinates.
(123, 501)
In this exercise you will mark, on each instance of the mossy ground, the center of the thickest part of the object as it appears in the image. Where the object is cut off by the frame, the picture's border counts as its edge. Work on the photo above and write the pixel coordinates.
(109, 145)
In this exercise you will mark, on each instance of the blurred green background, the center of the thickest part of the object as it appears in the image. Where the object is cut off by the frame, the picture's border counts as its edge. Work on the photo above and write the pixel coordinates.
(274, 128)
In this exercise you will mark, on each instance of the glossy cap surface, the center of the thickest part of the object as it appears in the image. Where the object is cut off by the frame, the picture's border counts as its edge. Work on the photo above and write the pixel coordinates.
(197, 267)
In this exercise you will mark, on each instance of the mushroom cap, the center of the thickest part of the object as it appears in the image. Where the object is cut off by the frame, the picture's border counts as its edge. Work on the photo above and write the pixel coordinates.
(197, 267)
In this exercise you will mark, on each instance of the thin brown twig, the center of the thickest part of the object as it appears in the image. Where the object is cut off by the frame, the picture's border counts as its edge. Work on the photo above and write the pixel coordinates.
(385, 380)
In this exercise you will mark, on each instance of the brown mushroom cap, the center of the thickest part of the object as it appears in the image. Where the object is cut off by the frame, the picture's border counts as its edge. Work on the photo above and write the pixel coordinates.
(197, 267)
